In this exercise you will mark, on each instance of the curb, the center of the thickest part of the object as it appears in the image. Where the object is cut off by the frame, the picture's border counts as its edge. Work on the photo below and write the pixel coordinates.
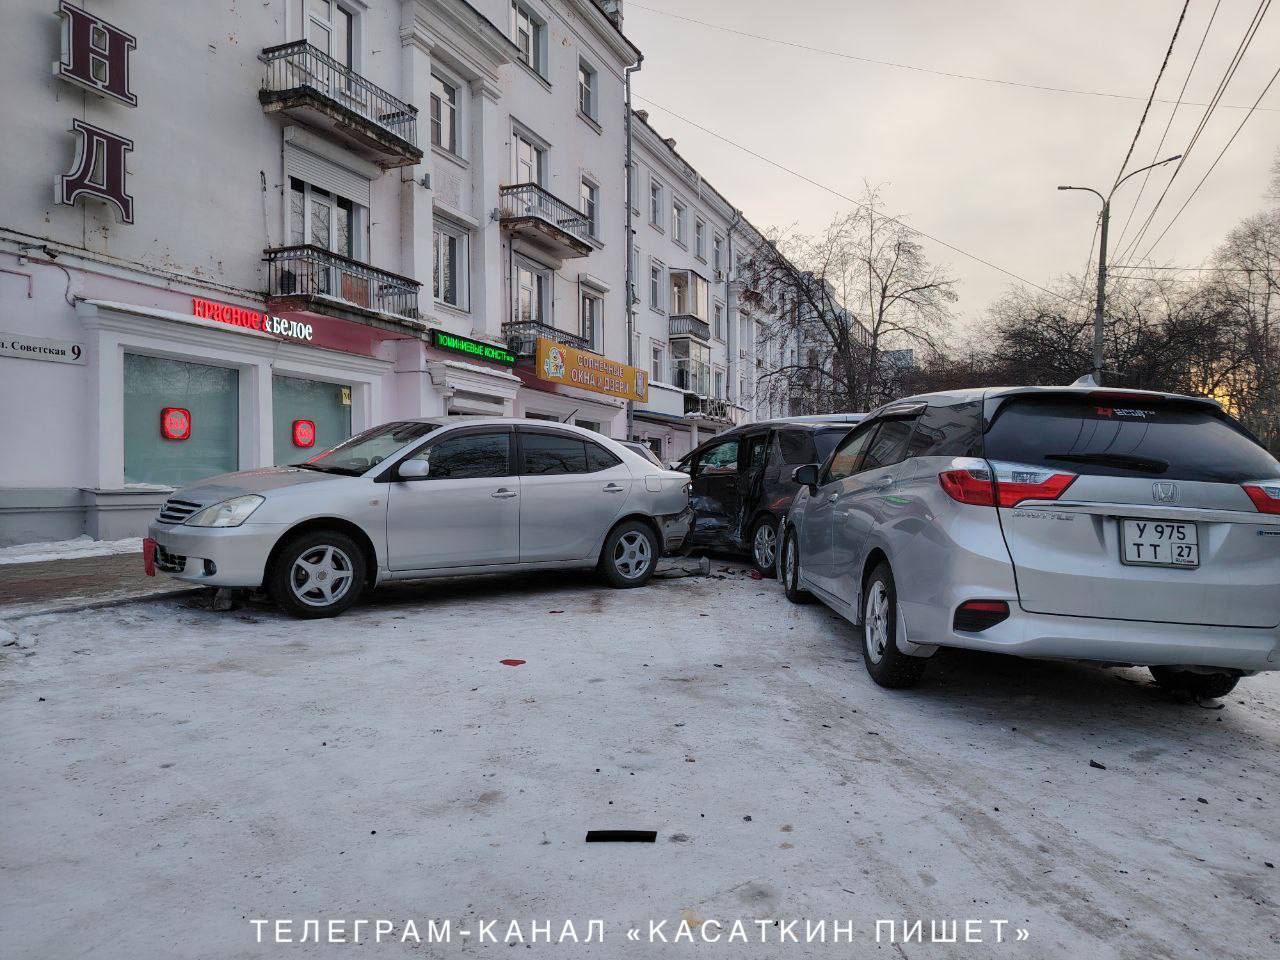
(104, 604)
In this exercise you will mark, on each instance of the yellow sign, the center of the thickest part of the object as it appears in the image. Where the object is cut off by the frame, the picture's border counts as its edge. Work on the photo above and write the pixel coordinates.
(589, 371)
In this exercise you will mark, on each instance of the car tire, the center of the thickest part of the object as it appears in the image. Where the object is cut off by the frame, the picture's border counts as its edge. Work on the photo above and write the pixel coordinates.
(789, 569)
(1202, 686)
(764, 546)
(318, 574)
(630, 555)
(888, 666)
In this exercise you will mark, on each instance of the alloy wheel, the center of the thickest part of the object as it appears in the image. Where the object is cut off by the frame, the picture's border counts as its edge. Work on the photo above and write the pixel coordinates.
(875, 620)
(321, 576)
(632, 555)
(765, 546)
(789, 578)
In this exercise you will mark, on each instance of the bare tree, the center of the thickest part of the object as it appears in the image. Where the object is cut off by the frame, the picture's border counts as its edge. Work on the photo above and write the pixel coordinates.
(845, 300)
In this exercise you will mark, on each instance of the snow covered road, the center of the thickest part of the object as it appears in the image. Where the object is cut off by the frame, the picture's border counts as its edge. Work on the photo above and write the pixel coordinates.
(170, 774)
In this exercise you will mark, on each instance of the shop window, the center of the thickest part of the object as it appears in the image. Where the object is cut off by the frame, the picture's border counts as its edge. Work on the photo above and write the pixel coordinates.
(209, 395)
(295, 400)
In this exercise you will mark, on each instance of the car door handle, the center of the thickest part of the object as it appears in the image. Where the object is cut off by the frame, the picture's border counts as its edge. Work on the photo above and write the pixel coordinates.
(884, 483)
(614, 488)
(831, 497)
(503, 494)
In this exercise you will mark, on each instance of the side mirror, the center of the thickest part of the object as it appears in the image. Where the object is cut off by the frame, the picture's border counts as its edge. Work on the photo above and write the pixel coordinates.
(806, 476)
(414, 469)
(676, 466)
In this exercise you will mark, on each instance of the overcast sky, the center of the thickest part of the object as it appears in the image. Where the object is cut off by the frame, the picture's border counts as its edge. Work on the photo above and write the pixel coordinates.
(974, 164)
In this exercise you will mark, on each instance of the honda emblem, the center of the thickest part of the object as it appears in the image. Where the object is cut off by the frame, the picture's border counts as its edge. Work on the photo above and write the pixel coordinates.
(1164, 492)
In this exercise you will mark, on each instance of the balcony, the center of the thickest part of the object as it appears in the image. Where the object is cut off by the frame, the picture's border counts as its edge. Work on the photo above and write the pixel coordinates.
(306, 84)
(522, 337)
(687, 325)
(545, 221)
(707, 408)
(315, 279)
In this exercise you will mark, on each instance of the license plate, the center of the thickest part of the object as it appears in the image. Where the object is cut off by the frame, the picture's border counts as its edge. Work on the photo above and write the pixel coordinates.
(1159, 543)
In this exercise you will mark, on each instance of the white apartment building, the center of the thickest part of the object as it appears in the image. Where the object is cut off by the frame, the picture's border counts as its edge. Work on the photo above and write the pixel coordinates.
(228, 240)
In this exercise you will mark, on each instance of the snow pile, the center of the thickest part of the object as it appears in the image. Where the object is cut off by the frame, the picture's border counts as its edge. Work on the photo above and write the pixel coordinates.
(9, 638)
(82, 546)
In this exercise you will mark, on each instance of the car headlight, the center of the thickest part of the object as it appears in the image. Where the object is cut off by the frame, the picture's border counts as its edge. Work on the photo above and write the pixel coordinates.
(228, 513)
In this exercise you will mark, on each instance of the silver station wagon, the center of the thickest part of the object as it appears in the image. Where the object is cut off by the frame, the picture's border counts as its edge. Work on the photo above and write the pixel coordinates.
(1078, 523)
(416, 499)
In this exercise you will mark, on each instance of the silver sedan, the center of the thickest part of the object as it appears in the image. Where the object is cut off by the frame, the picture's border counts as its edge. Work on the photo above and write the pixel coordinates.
(416, 499)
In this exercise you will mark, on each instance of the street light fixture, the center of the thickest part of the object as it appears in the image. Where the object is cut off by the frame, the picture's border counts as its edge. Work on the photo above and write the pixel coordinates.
(1100, 306)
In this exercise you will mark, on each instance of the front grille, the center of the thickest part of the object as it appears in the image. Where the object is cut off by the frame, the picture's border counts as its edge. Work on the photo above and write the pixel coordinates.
(177, 511)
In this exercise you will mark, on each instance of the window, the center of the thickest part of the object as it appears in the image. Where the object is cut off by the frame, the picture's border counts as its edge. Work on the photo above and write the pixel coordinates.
(330, 28)
(656, 270)
(719, 384)
(529, 35)
(655, 203)
(530, 161)
(657, 362)
(847, 459)
(1168, 441)
(890, 444)
(533, 292)
(587, 81)
(678, 220)
(322, 219)
(700, 239)
(954, 430)
(635, 274)
(591, 312)
(470, 456)
(451, 266)
(718, 460)
(717, 317)
(368, 449)
(444, 114)
(589, 201)
(717, 253)
(547, 454)
(793, 448)
(825, 442)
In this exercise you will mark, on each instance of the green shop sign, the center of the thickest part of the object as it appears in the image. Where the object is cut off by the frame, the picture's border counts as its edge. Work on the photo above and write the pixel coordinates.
(472, 348)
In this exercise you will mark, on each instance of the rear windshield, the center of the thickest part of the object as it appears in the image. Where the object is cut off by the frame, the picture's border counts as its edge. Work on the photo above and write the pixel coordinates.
(1080, 435)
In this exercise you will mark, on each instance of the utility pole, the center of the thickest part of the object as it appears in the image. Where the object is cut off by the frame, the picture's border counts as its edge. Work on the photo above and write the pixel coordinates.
(1100, 305)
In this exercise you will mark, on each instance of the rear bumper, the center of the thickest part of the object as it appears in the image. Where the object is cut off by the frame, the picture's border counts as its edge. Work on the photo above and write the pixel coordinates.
(215, 556)
(677, 530)
(1141, 643)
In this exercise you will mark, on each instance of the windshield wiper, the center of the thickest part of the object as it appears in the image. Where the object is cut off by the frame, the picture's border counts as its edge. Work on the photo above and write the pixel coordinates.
(1122, 460)
(319, 468)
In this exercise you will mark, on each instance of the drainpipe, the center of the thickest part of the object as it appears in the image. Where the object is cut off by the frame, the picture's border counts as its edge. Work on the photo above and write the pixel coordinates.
(735, 372)
(629, 292)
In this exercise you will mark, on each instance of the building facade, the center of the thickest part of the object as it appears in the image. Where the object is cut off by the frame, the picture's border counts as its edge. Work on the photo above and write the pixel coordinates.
(231, 235)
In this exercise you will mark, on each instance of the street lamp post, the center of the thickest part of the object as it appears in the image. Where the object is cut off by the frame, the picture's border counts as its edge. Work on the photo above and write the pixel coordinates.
(1101, 304)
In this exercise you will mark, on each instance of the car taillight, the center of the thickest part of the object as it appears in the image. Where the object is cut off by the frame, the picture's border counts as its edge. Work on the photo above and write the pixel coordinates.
(973, 616)
(1265, 495)
(1004, 484)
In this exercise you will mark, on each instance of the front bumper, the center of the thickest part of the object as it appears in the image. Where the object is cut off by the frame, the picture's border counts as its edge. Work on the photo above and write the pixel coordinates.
(215, 556)
(1137, 642)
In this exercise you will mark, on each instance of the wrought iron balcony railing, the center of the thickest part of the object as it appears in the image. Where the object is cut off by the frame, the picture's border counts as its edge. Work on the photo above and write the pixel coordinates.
(309, 272)
(687, 325)
(528, 200)
(710, 408)
(298, 71)
(522, 337)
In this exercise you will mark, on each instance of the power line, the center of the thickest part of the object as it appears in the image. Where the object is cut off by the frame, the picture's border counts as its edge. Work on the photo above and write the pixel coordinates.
(1232, 66)
(1154, 87)
(848, 199)
(1172, 113)
(1196, 190)
(632, 5)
